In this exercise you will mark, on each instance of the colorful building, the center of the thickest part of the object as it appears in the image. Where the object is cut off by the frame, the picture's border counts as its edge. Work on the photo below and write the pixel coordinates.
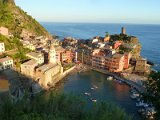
(110, 61)
(64, 55)
(117, 44)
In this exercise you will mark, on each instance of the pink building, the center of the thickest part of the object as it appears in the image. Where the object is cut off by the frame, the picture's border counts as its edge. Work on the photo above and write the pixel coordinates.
(59, 51)
(63, 55)
(117, 44)
(4, 31)
(116, 63)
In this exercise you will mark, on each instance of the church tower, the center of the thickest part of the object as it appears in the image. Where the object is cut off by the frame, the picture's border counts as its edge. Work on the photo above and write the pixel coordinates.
(52, 55)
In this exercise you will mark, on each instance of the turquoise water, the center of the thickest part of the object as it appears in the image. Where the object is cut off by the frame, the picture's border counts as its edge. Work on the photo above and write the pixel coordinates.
(149, 35)
(109, 91)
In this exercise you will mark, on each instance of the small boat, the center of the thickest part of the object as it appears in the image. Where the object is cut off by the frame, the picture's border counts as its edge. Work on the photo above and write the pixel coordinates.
(146, 105)
(110, 78)
(140, 104)
(134, 95)
(93, 100)
(87, 93)
(92, 88)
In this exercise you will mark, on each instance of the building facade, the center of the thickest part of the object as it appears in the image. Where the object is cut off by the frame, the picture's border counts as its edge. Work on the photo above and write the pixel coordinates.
(46, 75)
(28, 68)
(2, 47)
(37, 56)
(112, 62)
(52, 55)
(6, 63)
(141, 65)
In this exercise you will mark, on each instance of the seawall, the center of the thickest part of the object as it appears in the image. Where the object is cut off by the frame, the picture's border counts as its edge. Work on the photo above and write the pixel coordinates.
(128, 82)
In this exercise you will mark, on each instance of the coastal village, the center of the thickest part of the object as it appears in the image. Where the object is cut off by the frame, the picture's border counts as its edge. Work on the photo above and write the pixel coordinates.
(49, 60)
(40, 70)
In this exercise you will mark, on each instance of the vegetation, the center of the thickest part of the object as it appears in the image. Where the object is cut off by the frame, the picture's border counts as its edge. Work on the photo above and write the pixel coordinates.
(122, 49)
(121, 37)
(59, 107)
(153, 91)
(15, 19)
(67, 66)
(18, 51)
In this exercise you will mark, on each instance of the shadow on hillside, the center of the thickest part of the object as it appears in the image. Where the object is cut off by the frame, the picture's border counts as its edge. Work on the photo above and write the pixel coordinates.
(19, 85)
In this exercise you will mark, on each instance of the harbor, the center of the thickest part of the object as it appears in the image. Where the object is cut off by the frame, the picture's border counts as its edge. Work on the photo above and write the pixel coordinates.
(94, 87)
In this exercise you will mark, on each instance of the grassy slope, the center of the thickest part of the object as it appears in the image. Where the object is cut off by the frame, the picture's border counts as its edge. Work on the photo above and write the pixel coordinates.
(16, 19)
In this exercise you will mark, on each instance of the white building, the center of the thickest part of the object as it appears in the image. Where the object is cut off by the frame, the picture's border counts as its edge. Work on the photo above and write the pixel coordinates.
(2, 47)
(52, 55)
(95, 40)
(6, 63)
(37, 56)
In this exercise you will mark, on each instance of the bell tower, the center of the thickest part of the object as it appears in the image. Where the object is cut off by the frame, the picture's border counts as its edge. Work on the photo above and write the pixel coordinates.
(52, 55)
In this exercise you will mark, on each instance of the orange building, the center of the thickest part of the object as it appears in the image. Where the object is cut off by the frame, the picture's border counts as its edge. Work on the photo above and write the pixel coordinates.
(63, 55)
(116, 63)
(117, 44)
(68, 56)
(59, 52)
(127, 57)
(113, 63)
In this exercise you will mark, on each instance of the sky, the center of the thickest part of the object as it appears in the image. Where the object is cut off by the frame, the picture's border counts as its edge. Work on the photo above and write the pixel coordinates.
(93, 11)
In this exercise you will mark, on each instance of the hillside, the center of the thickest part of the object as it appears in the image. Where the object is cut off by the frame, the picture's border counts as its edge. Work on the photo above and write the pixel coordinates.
(16, 20)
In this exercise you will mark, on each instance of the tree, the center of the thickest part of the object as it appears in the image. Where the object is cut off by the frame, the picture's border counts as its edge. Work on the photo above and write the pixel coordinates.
(59, 107)
(153, 91)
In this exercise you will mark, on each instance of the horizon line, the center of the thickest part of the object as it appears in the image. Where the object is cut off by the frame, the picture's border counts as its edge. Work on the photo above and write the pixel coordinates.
(100, 23)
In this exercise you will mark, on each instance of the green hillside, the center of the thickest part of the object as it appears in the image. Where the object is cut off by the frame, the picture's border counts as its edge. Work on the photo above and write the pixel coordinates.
(16, 20)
